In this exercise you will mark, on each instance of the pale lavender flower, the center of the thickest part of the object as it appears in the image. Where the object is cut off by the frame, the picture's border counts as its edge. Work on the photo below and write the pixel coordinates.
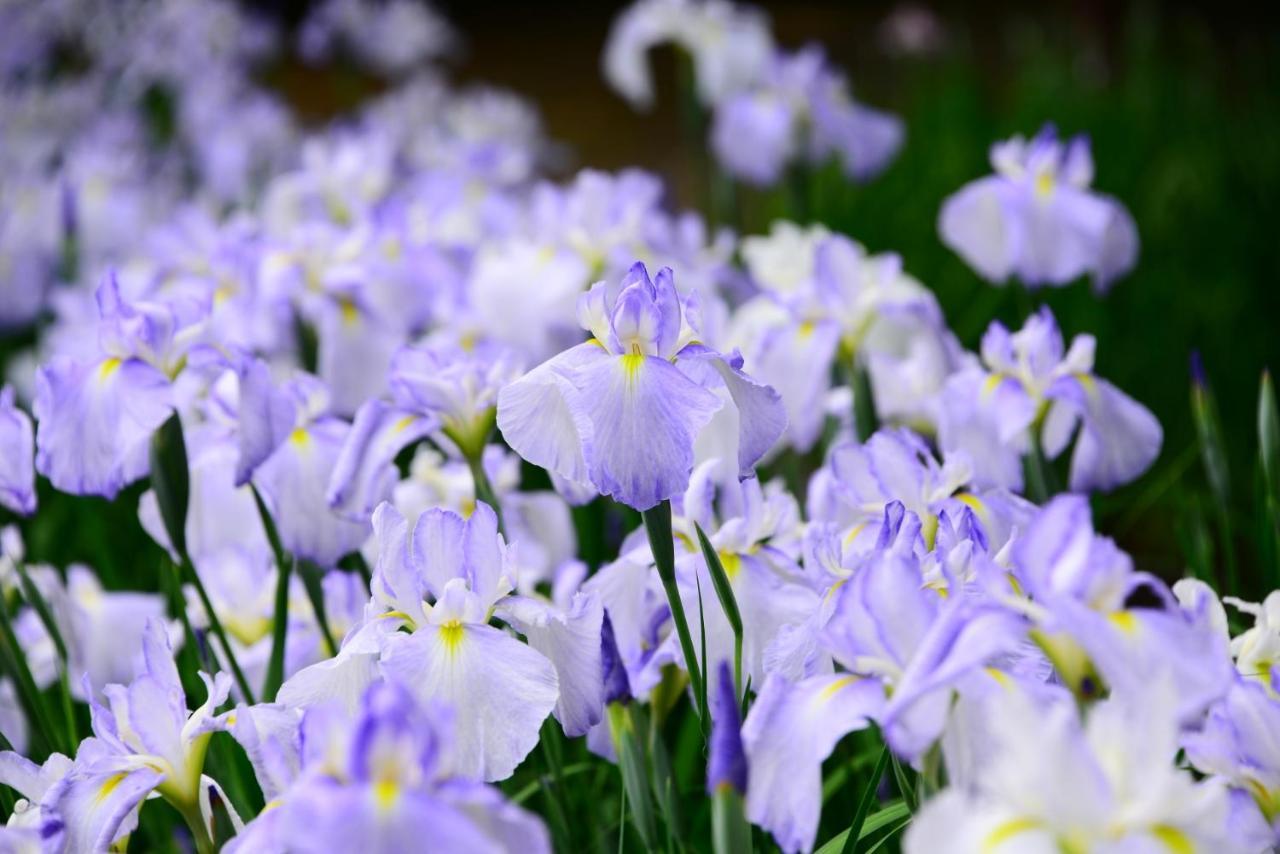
(623, 410)
(1036, 219)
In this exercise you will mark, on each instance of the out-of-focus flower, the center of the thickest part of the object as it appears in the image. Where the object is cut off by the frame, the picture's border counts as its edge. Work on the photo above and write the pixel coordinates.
(380, 778)
(103, 630)
(17, 457)
(96, 417)
(801, 110)
(1031, 388)
(1080, 585)
(1108, 782)
(825, 302)
(729, 45)
(623, 410)
(390, 36)
(1037, 219)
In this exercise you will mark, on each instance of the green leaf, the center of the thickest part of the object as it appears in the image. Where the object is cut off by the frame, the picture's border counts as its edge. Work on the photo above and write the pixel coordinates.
(895, 811)
(279, 634)
(1269, 436)
(311, 575)
(657, 523)
(730, 832)
(171, 480)
(724, 592)
(864, 803)
(632, 765)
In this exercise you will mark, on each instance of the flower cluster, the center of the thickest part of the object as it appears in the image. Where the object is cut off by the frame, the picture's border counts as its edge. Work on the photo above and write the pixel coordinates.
(392, 389)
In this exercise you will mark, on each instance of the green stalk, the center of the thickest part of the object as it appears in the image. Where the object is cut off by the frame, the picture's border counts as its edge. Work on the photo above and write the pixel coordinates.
(37, 601)
(170, 480)
(864, 803)
(483, 488)
(29, 695)
(657, 523)
(730, 832)
(279, 635)
(865, 421)
(724, 591)
(280, 616)
(311, 575)
(195, 823)
(632, 765)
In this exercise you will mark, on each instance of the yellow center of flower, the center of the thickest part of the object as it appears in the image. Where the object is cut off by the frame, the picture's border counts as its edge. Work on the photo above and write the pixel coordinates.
(451, 633)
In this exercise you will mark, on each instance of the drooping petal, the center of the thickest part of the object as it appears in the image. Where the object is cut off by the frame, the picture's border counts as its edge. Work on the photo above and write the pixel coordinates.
(17, 455)
(266, 415)
(543, 419)
(645, 415)
(293, 482)
(98, 805)
(790, 730)
(572, 643)
(501, 689)
(95, 422)
(1119, 437)
(982, 224)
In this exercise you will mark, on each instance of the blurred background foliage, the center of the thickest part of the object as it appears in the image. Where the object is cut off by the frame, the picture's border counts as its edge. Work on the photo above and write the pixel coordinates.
(1182, 102)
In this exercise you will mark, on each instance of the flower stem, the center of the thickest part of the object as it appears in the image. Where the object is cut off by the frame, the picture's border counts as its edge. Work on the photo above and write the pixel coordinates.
(657, 522)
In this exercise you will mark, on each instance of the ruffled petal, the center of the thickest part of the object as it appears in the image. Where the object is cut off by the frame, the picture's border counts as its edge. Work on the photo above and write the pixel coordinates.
(501, 689)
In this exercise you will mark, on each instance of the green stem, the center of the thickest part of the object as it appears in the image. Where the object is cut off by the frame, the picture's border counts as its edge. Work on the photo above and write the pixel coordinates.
(864, 803)
(657, 523)
(483, 488)
(32, 700)
(279, 634)
(37, 601)
(315, 594)
(195, 823)
(216, 624)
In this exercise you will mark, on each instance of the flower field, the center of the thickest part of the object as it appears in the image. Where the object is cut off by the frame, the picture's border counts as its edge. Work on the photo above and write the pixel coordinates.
(377, 476)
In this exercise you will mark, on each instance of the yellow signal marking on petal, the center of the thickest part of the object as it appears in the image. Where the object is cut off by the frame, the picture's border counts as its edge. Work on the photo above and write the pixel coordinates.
(109, 785)
(1005, 831)
(732, 564)
(1090, 386)
(991, 384)
(854, 532)
(403, 424)
(350, 314)
(1044, 183)
(271, 804)
(806, 329)
(386, 793)
(108, 367)
(597, 342)
(836, 686)
(299, 436)
(631, 363)
(1125, 621)
(1002, 678)
(974, 502)
(1175, 840)
(831, 591)
(451, 633)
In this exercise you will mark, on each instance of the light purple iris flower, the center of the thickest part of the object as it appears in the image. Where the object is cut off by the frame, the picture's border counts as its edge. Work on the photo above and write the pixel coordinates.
(1031, 385)
(623, 410)
(1083, 591)
(443, 579)
(96, 417)
(1036, 218)
(436, 387)
(145, 740)
(1240, 742)
(17, 451)
(378, 778)
(801, 110)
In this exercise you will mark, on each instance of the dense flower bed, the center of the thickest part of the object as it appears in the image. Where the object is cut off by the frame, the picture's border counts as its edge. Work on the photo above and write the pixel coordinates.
(502, 513)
